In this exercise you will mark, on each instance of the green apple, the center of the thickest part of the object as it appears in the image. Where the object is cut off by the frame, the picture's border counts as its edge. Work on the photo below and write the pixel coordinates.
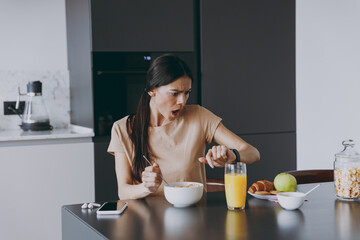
(285, 182)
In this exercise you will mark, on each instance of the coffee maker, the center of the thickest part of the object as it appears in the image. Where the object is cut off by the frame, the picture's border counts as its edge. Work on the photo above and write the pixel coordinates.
(35, 116)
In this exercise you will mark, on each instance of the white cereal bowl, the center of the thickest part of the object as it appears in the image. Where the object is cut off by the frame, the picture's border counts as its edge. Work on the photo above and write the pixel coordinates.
(291, 200)
(181, 196)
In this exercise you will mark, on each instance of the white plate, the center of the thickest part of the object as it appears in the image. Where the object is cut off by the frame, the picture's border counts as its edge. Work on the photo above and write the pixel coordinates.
(266, 197)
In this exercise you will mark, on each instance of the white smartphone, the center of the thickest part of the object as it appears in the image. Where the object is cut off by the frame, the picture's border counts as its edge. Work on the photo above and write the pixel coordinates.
(112, 207)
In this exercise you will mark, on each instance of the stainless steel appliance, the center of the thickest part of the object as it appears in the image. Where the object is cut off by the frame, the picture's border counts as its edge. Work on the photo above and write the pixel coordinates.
(35, 116)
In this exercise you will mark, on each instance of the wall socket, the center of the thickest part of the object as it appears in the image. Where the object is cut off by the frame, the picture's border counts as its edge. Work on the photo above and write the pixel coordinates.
(11, 105)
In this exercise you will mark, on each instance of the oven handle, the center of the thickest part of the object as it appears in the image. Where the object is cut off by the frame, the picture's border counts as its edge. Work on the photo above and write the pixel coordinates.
(120, 72)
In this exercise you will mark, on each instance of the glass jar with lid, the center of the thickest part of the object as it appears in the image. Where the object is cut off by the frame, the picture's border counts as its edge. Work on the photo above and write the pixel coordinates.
(347, 172)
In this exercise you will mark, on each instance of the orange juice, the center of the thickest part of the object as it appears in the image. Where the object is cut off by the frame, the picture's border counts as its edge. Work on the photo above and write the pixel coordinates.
(235, 190)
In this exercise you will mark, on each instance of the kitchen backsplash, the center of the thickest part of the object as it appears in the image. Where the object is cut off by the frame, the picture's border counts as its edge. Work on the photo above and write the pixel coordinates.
(55, 92)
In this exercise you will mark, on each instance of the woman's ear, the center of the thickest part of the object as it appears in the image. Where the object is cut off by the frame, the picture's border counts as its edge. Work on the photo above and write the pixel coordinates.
(152, 93)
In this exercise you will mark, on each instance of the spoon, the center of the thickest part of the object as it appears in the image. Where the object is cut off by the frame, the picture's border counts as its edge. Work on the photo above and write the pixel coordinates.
(160, 174)
(312, 189)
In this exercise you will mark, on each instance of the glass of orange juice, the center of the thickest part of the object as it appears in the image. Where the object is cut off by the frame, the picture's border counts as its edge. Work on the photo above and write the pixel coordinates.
(235, 185)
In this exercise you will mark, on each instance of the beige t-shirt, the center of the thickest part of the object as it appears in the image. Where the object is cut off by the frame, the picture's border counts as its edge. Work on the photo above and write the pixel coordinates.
(176, 146)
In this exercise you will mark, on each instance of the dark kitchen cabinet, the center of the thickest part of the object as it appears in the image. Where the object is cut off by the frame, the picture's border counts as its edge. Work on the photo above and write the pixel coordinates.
(248, 64)
(278, 154)
(142, 25)
(248, 77)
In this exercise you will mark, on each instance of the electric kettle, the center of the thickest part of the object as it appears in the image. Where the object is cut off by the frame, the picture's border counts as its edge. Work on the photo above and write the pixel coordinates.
(35, 116)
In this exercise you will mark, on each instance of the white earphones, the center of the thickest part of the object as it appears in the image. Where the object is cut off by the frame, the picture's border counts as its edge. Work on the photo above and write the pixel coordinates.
(90, 205)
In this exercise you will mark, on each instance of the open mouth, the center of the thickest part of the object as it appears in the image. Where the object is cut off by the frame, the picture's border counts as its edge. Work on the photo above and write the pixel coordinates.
(175, 113)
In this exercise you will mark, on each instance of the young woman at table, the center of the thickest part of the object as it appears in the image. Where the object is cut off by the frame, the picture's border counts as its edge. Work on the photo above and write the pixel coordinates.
(172, 135)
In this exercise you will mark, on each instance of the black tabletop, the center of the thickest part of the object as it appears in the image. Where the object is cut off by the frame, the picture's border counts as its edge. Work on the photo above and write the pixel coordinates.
(321, 217)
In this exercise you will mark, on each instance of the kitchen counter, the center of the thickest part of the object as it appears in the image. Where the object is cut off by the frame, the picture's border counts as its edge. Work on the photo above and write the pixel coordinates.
(10, 137)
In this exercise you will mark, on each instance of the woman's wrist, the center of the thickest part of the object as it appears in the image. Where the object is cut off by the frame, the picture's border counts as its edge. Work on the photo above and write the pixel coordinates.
(133, 191)
(145, 189)
(236, 154)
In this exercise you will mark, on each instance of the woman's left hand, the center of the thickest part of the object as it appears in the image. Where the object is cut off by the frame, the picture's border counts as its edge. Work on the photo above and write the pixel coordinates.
(217, 156)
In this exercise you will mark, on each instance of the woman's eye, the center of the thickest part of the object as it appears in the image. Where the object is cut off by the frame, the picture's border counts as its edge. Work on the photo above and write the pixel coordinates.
(187, 92)
(174, 93)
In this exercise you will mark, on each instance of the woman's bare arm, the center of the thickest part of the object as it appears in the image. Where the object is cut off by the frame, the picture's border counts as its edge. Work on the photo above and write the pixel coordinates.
(248, 153)
(126, 188)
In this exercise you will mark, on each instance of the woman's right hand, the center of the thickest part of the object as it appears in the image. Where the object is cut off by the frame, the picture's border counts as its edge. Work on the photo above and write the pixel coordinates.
(151, 177)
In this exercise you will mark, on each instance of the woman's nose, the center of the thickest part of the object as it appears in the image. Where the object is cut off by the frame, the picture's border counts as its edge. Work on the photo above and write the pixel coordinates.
(181, 99)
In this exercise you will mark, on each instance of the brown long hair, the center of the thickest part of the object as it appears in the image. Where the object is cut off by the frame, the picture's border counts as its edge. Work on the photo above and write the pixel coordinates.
(163, 70)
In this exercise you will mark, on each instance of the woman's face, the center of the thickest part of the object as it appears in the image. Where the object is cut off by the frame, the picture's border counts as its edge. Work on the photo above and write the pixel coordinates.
(169, 100)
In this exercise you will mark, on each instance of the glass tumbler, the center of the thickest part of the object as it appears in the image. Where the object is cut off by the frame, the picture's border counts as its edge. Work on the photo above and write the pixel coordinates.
(235, 185)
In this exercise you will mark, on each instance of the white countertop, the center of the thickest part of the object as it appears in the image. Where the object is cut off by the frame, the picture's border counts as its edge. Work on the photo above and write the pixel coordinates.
(73, 131)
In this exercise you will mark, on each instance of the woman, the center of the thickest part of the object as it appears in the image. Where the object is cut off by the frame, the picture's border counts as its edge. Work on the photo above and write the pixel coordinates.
(172, 135)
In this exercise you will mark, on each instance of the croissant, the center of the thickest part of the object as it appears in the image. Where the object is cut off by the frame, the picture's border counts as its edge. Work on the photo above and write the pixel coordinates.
(252, 189)
(269, 186)
(262, 185)
(259, 185)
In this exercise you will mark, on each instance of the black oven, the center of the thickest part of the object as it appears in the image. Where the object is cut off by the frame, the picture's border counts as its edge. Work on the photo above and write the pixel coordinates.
(119, 81)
